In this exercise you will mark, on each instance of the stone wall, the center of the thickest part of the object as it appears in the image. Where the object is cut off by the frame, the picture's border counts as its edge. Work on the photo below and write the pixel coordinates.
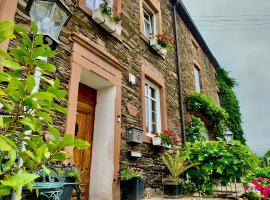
(129, 53)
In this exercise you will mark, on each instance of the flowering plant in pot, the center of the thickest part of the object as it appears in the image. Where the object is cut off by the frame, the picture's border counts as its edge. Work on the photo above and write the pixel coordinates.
(132, 184)
(177, 163)
(161, 43)
(166, 138)
(105, 18)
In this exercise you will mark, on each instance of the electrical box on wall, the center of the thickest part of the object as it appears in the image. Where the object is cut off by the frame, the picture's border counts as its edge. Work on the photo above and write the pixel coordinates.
(132, 79)
(134, 135)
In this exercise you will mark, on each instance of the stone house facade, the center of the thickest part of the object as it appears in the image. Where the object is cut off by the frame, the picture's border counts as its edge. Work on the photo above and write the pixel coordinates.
(115, 81)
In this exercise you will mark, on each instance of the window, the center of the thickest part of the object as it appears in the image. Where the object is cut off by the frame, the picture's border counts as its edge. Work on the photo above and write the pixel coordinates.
(94, 4)
(197, 79)
(152, 108)
(149, 22)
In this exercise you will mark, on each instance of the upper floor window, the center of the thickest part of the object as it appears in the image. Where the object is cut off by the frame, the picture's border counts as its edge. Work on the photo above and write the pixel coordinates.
(152, 108)
(197, 79)
(94, 4)
(149, 22)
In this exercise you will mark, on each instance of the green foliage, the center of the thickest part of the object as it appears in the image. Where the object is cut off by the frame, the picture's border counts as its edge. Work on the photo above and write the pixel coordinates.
(257, 173)
(220, 162)
(203, 104)
(196, 130)
(177, 163)
(129, 173)
(28, 132)
(230, 103)
(107, 10)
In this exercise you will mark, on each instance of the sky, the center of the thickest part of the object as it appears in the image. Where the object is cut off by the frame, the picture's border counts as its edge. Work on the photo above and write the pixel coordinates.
(238, 34)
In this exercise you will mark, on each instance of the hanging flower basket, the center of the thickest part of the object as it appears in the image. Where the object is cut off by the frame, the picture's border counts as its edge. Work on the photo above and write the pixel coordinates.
(103, 16)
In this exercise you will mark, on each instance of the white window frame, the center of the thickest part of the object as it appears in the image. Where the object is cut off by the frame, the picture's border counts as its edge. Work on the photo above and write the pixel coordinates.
(153, 22)
(96, 4)
(148, 114)
(197, 79)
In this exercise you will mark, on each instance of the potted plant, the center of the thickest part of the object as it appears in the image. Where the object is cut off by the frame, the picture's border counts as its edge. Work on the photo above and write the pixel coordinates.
(177, 164)
(30, 139)
(132, 184)
(161, 43)
(104, 17)
(166, 139)
(72, 181)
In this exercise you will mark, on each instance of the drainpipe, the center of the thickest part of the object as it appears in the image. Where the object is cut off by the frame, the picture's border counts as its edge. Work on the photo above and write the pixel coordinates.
(178, 69)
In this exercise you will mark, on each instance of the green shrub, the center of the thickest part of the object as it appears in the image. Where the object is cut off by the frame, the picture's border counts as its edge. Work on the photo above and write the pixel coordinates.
(220, 162)
(203, 104)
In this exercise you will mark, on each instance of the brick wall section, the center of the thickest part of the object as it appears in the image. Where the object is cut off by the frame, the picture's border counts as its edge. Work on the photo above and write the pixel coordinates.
(129, 52)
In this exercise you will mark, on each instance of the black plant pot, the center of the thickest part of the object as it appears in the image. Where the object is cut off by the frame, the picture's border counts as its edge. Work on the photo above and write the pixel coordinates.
(173, 190)
(132, 189)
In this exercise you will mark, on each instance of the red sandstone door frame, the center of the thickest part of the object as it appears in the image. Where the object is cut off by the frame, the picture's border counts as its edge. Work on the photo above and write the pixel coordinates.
(88, 55)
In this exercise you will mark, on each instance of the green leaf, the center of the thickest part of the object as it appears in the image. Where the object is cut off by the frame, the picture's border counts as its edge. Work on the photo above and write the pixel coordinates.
(39, 40)
(4, 121)
(40, 153)
(12, 157)
(59, 108)
(30, 83)
(37, 52)
(66, 141)
(11, 64)
(60, 156)
(5, 55)
(34, 27)
(5, 190)
(6, 30)
(45, 66)
(4, 146)
(47, 171)
(55, 133)
(29, 122)
(81, 144)
(45, 116)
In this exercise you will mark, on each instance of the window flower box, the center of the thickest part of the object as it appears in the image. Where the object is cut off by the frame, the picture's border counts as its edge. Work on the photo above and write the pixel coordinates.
(156, 141)
(107, 22)
(161, 43)
(159, 49)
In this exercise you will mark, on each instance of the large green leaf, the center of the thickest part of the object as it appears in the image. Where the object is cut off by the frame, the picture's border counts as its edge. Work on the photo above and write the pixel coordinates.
(30, 83)
(6, 30)
(45, 66)
(81, 144)
(40, 153)
(45, 116)
(11, 64)
(66, 141)
(60, 156)
(4, 121)
(55, 133)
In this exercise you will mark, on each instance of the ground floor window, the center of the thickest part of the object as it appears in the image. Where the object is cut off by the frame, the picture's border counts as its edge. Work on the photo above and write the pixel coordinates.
(152, 108)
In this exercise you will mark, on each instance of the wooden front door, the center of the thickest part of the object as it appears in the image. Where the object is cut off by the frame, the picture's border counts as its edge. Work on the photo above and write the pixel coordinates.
(84, 130)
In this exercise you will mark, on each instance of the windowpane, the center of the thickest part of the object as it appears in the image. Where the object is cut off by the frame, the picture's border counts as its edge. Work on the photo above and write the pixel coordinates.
(153, 106)
(154, 127)
(153, 93)
(154, 117)
(90, 4)
(197, 80)
(148, 22)
(94, 4)
(146, 90)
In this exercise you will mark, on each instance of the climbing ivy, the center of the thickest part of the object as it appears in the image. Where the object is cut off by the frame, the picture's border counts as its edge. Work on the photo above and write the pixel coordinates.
(205, 106)
(196, 130)
(230, 103)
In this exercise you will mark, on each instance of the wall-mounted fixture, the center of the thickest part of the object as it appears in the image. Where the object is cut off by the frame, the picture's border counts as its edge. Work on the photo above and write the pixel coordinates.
(135, 154)
(132, 79)
(134, 135)
(50, 16)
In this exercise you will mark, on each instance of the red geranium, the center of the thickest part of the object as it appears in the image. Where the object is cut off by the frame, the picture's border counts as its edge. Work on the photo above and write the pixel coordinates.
(168, 138)
(164, 41)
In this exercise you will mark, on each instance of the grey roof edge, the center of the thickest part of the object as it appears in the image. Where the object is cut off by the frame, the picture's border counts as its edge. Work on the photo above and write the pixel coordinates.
(187, 19)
